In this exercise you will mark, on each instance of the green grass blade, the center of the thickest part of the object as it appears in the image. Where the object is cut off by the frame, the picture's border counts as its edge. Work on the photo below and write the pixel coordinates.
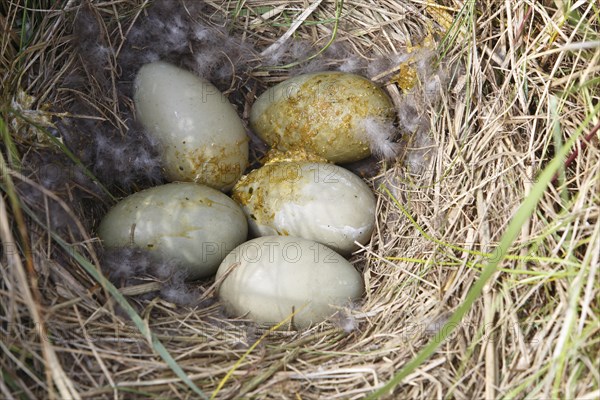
(512, 232)
(569, 325)
(14, 159)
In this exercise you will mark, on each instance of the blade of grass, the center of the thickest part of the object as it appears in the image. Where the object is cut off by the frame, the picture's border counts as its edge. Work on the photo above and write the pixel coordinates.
(459, 26)
(11, 149)
(563, 347)
(512, 232)
(557, 138)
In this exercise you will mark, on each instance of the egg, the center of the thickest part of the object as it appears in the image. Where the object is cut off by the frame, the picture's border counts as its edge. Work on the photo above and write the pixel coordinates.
(324, 113)
(268, 278)
(203, 139)
(317, 201)
(194, 225)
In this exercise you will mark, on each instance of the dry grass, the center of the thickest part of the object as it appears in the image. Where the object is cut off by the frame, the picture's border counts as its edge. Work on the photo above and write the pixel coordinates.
(519, 79)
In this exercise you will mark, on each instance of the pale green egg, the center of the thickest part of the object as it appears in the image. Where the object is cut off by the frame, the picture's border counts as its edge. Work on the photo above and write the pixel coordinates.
(269, 278)
(323, 113)
(203, 139)
(192, 225)
(317, 201)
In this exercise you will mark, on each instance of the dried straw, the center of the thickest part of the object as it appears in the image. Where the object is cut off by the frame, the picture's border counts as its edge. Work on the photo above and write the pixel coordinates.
(488, 95)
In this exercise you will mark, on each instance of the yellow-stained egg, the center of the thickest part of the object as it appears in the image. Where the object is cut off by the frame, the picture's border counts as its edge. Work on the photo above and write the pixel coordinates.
(202, 138)
(323, 112)
(193, 225)
(268, 278)
(317, 201)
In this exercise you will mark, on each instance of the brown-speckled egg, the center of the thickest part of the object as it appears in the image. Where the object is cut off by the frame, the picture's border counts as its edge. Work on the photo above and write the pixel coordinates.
(323, 113)
(317, 201)
(203, 139)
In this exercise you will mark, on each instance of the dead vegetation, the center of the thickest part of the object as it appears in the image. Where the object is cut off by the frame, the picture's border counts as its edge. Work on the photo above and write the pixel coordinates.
(490, 96)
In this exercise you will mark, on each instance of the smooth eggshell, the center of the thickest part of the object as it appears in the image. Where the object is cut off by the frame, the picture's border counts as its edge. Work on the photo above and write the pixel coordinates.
(268, 278)
(323, 113)
(316, 201)
(194, 225)
(203, 139)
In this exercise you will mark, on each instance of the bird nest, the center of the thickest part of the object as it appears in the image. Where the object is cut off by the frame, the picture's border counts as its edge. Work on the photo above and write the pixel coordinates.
(481, 275)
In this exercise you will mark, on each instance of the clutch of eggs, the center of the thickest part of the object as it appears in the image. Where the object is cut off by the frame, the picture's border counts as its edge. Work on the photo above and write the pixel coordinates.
(317, 201)
(269, 278)
(203, 139)
(193, 225)
(323, 113)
